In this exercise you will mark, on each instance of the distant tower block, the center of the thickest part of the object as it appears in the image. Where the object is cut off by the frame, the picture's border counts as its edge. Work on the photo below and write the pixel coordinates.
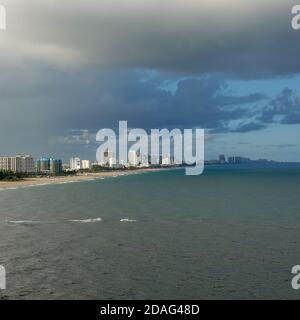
(222, 158)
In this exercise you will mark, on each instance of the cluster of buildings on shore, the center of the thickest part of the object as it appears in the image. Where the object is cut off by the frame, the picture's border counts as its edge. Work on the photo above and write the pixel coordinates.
(233, 160)
(51, 166)
(27, 164)
(109, 160)
(19, 163)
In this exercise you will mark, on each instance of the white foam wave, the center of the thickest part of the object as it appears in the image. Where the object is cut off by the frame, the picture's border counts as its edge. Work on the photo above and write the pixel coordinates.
(127, 220)
(23, 222)
(36, 185)
(86, 220)
(11, 188)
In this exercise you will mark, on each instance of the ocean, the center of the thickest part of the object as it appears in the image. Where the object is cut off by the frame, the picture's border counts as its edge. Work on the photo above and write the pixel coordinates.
(232, 233)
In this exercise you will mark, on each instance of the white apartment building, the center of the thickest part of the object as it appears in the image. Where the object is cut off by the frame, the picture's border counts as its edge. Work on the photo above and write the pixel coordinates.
(144, 160)
(133, 159)
(6, 163)
(166, 160)
(107, 158)
(75, 164)
(112, 162)
(122, 163)
(86, 164)
(19, 163)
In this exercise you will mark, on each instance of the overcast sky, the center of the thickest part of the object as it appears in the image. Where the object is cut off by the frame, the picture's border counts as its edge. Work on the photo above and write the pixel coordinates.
(71, 67)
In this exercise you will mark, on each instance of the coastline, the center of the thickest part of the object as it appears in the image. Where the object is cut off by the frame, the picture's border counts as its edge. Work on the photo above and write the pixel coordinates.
(52, 180)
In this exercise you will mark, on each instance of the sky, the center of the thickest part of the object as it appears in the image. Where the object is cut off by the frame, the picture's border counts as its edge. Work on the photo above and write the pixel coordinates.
(70, 68)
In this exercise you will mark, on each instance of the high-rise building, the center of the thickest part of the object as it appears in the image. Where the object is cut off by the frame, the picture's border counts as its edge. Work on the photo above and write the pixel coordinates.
(106, 158)
(109, 158)
(75, 163)
(242, 160)
(19, 163)
(166, 161)
(49, 166)
(43, 165)
(231, 160)
(55, 166)
(86, 164)
(238, 160)
(133, 158)
(222, 158)
(6, 163)
(144, 160)
(122, 163)
(112, 162)
(27, 163)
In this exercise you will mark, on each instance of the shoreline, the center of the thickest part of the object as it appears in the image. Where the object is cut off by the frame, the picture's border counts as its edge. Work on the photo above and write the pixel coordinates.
(53, 180)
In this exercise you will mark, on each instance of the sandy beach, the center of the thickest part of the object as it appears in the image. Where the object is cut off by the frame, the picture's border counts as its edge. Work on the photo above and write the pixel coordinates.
(69, 179)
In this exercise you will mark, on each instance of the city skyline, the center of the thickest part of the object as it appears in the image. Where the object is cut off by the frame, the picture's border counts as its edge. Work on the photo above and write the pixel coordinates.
(49, 165)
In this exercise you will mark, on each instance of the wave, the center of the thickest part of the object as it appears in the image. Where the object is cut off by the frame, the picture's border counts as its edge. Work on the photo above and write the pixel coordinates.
(24, 222)
(25, 186)
(87, 220)
(127, 220)
(36, 185)
(11, 188)
(66, 182)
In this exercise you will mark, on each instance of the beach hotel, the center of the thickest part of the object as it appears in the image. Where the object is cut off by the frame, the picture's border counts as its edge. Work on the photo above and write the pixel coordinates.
(19, 163)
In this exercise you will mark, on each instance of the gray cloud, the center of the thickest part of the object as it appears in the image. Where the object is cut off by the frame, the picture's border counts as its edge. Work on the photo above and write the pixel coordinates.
(251, 126)
(253, 38)
(56, 102)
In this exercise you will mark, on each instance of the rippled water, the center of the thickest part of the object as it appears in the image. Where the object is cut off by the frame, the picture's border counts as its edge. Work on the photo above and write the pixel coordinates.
(227, 234)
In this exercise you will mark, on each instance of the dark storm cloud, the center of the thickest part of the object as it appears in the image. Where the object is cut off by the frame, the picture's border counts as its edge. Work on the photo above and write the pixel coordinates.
(121, 95)
(253, 38)
(56, 102)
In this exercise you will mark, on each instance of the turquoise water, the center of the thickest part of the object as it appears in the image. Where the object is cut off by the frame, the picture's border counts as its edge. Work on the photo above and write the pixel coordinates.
(231, 233)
